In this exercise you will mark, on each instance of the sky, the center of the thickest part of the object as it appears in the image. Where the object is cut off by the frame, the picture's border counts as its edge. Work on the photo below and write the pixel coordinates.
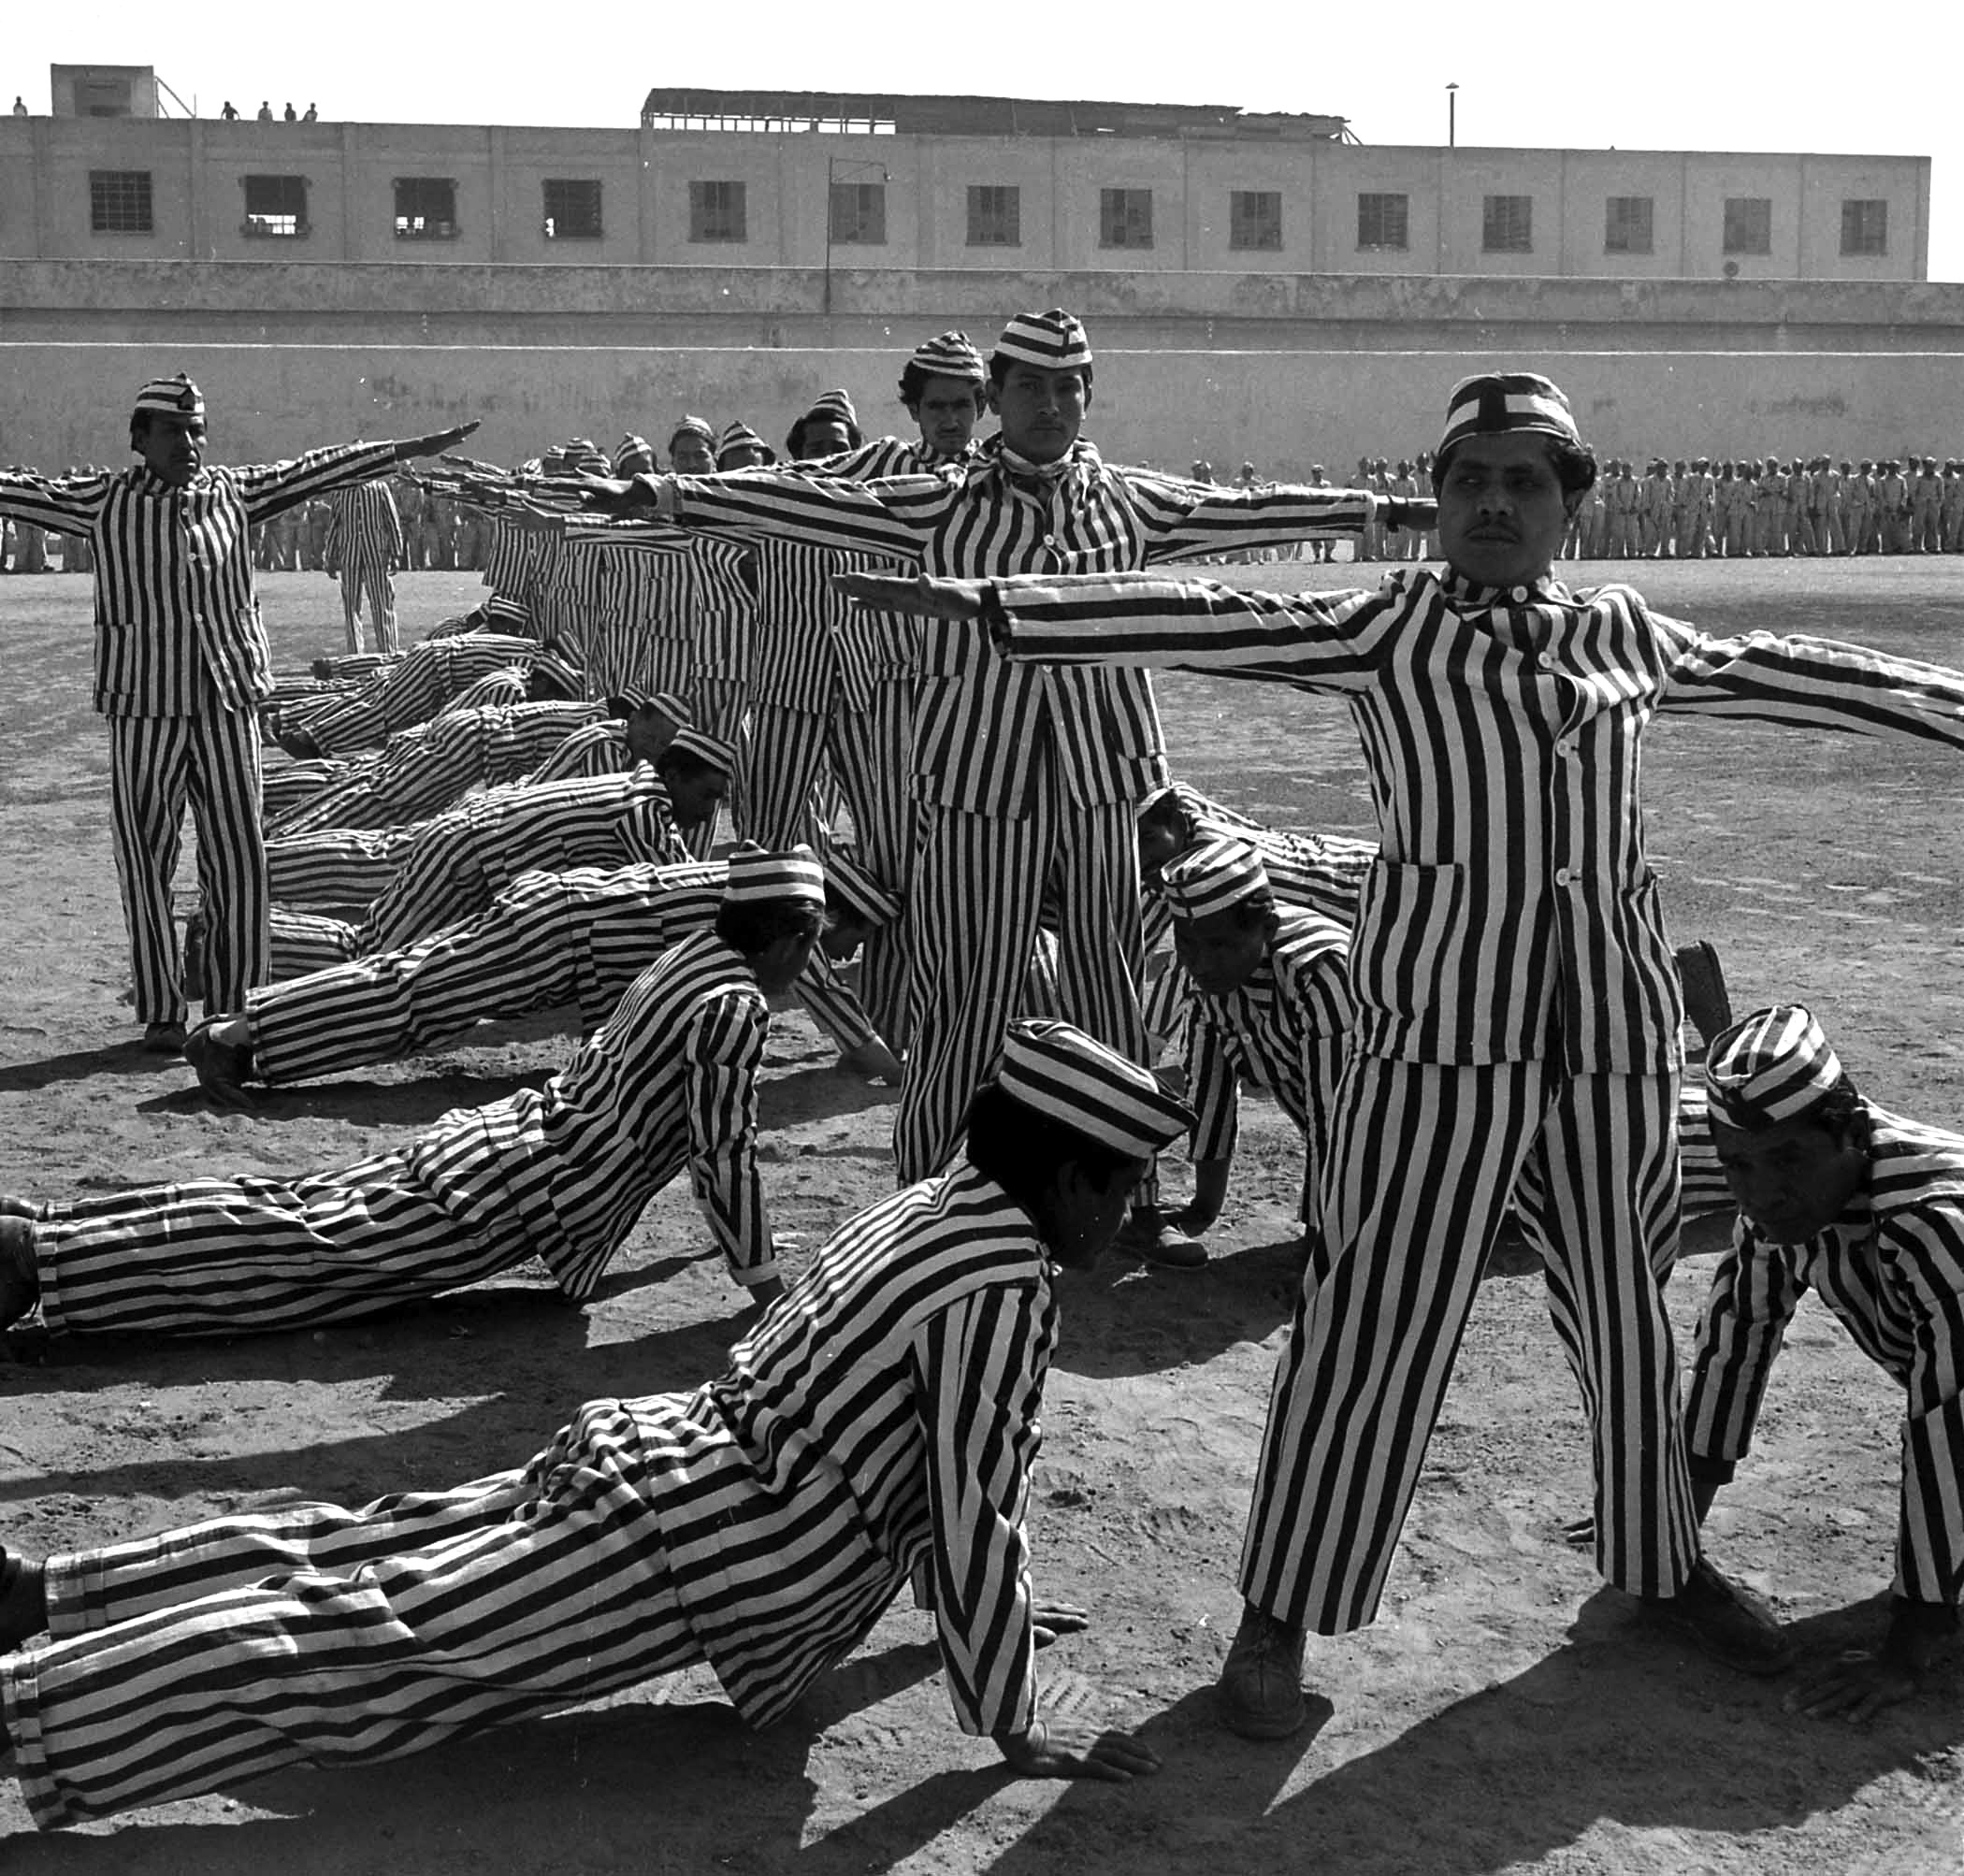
(1608, 75)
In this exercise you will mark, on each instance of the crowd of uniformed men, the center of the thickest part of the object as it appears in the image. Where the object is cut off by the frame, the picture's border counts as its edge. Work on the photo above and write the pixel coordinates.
(912, 671)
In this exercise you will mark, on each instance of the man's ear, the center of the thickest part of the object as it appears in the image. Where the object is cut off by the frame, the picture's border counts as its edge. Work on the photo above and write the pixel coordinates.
(993, 397)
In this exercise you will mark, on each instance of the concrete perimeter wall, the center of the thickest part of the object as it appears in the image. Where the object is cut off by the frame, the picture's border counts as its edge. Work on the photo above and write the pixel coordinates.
(63, 403)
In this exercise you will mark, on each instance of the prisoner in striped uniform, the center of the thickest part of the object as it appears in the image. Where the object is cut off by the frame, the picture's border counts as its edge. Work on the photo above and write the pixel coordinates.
(550, 938)
(1866, 1208)
(1518, 1012)
(1026, 778)
(182, 665)
(422, 769)
(461, 861)
(879, 1424)
(562, 1173)
(365, 546)
(427, 679)
(356, 866)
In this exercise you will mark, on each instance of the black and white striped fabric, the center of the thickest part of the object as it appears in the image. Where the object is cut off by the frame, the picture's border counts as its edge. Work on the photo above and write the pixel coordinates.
(364, 549)
(1517, 1028)
(1891, 1267)
(427, 679)
(649, 1534)
(1771, 1067)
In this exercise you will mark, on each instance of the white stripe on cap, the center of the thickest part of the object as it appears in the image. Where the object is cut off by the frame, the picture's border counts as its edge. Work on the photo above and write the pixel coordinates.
(760, 878)
(698, 425)
(1054, 339)
(1772, 1066)
(1492, 403)
(1058, 1071)
(949, 354)
(1212, 877)
(173, 397)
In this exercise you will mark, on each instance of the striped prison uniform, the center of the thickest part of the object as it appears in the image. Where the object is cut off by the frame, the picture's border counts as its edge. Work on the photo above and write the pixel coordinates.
(1517, 1017)
(427, 679)
(1891, 1267)
(1026, 777)
(181, 665)
(881, 1420)
(364, 549)
(550, 938)
(723, 605)
(455, 865)
(561, 1173)
(635, 588)
(427, 768)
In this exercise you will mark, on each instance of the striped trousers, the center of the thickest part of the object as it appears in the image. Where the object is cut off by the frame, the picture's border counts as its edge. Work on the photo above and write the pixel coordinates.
(720, 707)
(978, 885)
(368, 583)
(874, 756)
(309, 1633)
(337, 866)
(1422, 1163)
(158, 766)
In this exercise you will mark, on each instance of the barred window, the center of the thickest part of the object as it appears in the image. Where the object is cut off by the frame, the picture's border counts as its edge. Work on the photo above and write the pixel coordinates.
(1384, 221)
(1749, 225)
(1627, 224)
(995, 216)
(425, 208)
(859, 214)
(1507, 224)
(716, 212)
(119, 202)
(572, 209)
(275, 207)
(1865, 226)
(1125, 218)
(1254, 218)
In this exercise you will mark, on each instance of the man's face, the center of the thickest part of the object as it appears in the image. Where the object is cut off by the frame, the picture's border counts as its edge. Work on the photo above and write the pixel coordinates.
(690, 454)
(1792, 1180)
(947, 414)
(172, 447)
(1082, 1216)
(636, 462)
(741, 456)
(1041, 410)
(782, 964)
(824, 436)
(695, 795)
(1220, 952)
(1502, 512)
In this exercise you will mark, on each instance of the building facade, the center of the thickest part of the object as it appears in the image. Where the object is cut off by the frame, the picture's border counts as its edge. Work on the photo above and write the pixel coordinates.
(1165, 189)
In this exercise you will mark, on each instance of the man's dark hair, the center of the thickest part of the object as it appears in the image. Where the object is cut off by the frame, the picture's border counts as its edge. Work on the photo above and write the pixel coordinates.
(1021, 1150)
(914, 385)
(752, 929)
(999, 369)
(684, 765)
(1574, 465)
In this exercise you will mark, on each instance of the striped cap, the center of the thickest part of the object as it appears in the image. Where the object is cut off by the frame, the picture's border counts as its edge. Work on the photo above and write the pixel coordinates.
(173, 397)
(1771, 1067)
(669, 704)
(834, 404)
(1054, 339)
(632, 446)
(701, 746)
(1213, 877)
(1496, 403)
(854, 888)
(562, 671)
(740, 436)
(949, 354)
(699, 426)
(1060, 1073)
(760, 878)
(506, 611)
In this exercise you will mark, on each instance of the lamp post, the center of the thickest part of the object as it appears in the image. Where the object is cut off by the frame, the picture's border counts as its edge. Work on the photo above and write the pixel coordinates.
(1451, 116)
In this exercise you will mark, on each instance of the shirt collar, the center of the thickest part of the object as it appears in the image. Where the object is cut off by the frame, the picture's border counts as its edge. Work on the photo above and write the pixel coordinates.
(1474, 596)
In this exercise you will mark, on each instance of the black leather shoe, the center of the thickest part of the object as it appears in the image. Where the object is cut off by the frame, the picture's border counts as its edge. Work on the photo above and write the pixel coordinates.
(1724, 1620)
(1261, 1686)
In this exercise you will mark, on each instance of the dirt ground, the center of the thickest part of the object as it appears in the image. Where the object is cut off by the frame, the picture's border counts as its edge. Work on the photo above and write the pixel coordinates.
(1505, 1715)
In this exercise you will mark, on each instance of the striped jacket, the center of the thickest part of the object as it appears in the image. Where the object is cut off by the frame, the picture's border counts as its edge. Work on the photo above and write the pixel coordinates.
(428, 677)
(1892, 1269)
(881, 1417)
(1284, 1031)
(176, 623)
(1512, 900)
(364, 530)
(985, 727)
